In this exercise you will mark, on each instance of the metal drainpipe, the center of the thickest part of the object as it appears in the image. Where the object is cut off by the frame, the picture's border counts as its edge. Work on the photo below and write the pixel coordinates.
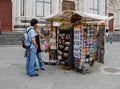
(0, 28)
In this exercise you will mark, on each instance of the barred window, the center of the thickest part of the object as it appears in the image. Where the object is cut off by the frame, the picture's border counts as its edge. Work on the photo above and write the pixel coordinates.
(43, 8)
(94, 5)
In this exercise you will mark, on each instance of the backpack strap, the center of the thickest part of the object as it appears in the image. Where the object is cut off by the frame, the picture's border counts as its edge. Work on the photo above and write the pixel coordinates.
(27, 33)
(28, 30)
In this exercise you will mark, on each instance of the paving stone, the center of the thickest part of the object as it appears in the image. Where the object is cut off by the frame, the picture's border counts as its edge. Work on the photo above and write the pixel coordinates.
(13, 75)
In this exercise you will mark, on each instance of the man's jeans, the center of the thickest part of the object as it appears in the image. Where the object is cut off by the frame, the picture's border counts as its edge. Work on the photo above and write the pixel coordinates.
(39, 57)
(31, 56)
(111, 40)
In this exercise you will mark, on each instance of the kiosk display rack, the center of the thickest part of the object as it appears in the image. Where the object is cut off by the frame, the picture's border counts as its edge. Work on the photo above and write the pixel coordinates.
(53, 48)
(85, 45)
(65, 44)
(88, 46)
(100, 46)
(79, 43)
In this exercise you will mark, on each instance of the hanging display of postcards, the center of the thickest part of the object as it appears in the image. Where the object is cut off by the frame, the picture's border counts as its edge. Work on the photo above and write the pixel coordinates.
(85, 45)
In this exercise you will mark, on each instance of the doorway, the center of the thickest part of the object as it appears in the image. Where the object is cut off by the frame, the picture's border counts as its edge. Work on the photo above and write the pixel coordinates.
(6, 15)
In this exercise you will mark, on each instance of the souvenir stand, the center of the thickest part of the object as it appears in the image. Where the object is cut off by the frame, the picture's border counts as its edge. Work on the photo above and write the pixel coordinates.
(65, 45)
(80, 39)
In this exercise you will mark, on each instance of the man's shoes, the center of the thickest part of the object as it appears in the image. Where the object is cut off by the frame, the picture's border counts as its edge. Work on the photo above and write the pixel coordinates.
(36, 69)
(34, 75)
(42, 68)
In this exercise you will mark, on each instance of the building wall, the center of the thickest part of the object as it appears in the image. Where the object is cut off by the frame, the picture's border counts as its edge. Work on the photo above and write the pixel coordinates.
(20, 22)
(31, 9)
(113, 6)
(6, 15)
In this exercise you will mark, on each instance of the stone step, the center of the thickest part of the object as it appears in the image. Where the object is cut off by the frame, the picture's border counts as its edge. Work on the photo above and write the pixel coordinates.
(10, 43)
(10, 38)
(14, 38)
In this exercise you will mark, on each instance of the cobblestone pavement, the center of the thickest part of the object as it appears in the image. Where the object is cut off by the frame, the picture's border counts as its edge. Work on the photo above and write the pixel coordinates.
(102, 76)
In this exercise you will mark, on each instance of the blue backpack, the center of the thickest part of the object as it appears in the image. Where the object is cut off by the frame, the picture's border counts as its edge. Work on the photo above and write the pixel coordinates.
(25, 40)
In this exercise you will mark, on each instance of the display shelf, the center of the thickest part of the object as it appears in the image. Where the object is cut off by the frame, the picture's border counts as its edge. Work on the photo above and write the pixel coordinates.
(65, 47)
(84, 45)
(88, 45)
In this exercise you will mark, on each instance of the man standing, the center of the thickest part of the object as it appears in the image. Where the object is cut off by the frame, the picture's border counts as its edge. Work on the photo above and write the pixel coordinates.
(38, 54)
(31, 52)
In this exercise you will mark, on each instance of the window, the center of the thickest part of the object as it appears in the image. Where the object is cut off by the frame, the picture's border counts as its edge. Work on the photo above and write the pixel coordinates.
(39, 9)
(77, 5)
(47, 0)
(43, 7)
(39, 0)
(47, 9)
(94, 6)
(22, 7)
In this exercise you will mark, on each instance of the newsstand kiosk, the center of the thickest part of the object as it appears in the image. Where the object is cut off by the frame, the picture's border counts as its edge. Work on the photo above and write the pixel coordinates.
(80, 39)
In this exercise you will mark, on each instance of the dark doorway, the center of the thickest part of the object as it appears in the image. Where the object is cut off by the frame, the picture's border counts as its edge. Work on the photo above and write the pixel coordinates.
(111, 22)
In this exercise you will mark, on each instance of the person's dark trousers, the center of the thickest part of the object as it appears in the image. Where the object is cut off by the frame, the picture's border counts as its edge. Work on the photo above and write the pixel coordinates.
(0, 31)
(40, 61)
(111, 40)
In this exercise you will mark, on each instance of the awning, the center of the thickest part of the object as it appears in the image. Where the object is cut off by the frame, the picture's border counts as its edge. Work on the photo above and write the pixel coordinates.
(59, 16)
(65, 16)
(94, 16)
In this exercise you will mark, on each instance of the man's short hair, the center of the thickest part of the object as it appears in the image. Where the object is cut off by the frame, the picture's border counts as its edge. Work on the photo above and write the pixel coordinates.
(33, 22)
